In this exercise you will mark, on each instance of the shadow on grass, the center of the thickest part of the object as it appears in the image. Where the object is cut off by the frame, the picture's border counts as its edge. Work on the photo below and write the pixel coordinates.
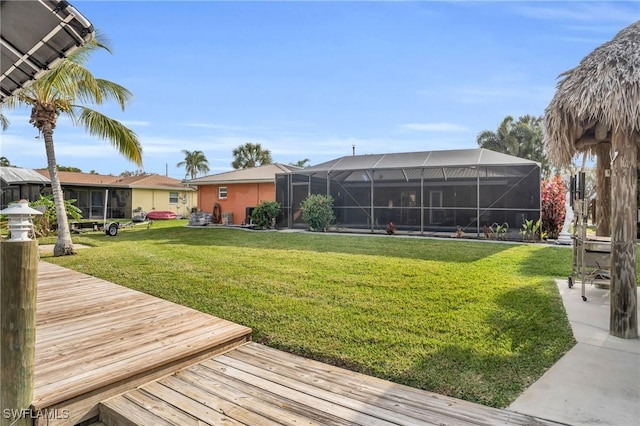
(531, 332)
(390, 246)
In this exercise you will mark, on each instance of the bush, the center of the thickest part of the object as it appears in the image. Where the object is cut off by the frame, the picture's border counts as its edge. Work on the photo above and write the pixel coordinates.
(553, 206)
(317, 211)
(264, 216)
(44, 224)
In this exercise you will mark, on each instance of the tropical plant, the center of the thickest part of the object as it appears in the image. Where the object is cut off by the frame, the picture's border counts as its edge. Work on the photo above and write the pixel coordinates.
(522, 138)
(530, 230)
(250, 155)
(265, 214)
(301, 163)
(194, 162)
(391, 228)
(71, 89)
(317, 211)
(499, 232)
(43, 224)
(553, 206)
(4, 162)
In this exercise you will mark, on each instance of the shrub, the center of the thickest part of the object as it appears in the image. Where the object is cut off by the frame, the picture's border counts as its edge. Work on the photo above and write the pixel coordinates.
(553, 206)
(264, 216)
(317, 211)
(43, 225)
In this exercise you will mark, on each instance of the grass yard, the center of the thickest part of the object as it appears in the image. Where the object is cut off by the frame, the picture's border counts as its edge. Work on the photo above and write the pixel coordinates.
(479, 321)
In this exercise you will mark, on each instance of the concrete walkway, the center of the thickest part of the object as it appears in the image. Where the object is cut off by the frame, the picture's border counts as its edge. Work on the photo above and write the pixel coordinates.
(598, 381)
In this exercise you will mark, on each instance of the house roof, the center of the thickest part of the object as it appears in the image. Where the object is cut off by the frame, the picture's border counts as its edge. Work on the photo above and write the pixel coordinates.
(266, 173)
(153, 181)
(79, 178)
(17, 175)
(419, 160)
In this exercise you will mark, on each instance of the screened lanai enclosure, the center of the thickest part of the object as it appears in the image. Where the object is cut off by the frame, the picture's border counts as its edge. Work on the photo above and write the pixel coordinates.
(430, 191)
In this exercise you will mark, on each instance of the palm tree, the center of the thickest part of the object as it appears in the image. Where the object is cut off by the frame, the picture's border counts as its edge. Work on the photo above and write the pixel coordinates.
(250, 155)
(194, 162)
(4, 122)
(57, 92)
(301, 163)
(522, 138)
(4, 162)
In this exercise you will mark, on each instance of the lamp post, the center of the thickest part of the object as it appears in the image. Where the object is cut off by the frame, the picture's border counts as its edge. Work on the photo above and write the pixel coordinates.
(18, 275)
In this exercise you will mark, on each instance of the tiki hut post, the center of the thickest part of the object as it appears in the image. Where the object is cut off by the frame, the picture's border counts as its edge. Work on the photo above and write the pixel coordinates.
(603, 183)
(596, 104)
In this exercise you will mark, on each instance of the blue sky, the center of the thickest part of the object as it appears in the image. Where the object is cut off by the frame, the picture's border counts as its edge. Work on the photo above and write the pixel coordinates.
(312, 79)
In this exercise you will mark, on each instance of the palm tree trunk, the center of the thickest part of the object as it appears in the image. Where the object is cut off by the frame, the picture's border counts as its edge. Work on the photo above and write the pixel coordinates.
(603, 200)
(64, 244)
(623, 321)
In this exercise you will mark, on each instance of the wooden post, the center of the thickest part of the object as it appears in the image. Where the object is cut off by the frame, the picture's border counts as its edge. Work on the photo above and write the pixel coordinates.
(623, 320)
(18, 275)
(603, 185)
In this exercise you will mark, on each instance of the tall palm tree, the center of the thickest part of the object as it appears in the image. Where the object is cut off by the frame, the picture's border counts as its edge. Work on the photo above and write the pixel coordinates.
(194, 162)
(250, 155)
(522, 138)
(70, 89)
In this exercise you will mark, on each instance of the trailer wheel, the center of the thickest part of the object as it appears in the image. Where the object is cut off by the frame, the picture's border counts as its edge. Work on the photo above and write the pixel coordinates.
(112, 230)
(570, 282)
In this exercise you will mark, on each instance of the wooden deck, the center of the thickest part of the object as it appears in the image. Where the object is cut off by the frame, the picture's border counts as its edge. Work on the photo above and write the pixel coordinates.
(96, 339)
(257, 385)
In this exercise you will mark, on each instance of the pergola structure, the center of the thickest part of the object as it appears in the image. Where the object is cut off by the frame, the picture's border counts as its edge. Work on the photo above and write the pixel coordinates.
(596, 108)
(418, 191)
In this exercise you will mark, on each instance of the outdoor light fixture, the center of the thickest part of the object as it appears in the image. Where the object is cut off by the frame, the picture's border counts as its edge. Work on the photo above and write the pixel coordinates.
(20, 220)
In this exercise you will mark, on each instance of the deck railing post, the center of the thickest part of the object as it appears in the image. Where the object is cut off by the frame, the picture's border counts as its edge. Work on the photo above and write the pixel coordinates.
(18, 278)
(18, 330)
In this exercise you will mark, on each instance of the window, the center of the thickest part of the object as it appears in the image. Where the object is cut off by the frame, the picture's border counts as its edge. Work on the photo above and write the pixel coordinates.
(222, 192)
(173, 198)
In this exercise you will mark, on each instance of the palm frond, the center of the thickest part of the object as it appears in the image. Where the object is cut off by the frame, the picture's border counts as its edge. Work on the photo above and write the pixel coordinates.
(121, 137)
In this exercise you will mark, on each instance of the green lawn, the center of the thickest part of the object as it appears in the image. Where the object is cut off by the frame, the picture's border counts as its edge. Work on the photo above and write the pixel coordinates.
(479, 321)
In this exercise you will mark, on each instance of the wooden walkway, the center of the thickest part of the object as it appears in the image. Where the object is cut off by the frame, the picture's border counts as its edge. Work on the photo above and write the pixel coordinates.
(96, 339)
(257, 385)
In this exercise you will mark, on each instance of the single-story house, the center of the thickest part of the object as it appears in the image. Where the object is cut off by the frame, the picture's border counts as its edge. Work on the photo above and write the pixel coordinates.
(418, 191)
(237, 192)
(123, 195)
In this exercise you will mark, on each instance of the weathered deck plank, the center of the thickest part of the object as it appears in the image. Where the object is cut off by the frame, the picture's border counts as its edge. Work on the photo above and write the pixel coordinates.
(254, 384)
(95, 339)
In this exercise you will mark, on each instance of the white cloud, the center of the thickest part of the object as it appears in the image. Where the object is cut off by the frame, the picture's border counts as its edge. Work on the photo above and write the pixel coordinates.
(434, 127)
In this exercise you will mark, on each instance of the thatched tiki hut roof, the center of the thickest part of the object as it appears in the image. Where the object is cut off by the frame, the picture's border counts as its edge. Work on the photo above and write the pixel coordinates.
(596, 103)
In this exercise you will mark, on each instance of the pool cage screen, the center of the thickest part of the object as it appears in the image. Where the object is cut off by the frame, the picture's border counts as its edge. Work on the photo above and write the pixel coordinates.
(433, 191)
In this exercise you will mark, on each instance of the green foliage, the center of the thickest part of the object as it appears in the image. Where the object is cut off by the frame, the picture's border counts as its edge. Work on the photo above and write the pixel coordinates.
(522, 138)
(68, 169)
(499, 232)
(43, 224)
(250, 155)
(553, 206)
(531, 230)
(194, 162)
(317, 211)
(265, 214)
